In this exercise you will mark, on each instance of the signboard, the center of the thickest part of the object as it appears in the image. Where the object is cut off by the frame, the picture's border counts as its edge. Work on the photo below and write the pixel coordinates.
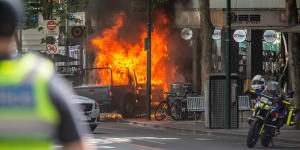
(51, 28)
(51, 25)
(51, 48)
(74, 52)
(217, 35)
(254, 19)
(239, 36)
(270, 36)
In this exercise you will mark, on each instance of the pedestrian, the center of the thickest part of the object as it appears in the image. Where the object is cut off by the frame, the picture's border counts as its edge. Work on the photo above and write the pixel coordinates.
(35, 107)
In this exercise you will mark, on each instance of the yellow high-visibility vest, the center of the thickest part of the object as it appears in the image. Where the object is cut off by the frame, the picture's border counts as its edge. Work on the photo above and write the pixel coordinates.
(28, 118)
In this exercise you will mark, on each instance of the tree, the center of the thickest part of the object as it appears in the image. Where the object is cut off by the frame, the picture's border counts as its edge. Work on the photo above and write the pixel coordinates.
(206, 41)
(51, 9)
(294, 53)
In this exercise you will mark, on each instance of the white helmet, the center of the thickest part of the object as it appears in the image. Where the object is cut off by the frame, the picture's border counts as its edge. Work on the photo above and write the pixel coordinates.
(258, 83)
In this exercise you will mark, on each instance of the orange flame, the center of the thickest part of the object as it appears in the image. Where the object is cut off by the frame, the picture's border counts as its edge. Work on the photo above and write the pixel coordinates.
(124, 57)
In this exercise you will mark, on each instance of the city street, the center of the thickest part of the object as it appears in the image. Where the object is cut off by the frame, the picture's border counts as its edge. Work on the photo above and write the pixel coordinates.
(150, 74)
(125, 136)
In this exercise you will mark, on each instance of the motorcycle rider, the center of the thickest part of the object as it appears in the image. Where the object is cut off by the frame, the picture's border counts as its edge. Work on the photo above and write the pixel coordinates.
(270, 88)
(278, 113)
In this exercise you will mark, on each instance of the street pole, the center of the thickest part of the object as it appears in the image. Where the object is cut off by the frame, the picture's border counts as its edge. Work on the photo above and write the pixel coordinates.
(67, 53)
(149, 5)
(20, 41)
(228, 69)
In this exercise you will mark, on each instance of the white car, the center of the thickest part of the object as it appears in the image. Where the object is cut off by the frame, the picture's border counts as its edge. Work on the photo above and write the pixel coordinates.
(90, 110)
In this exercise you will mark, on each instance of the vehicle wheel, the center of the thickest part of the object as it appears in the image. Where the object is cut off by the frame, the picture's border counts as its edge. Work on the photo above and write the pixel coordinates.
(93, 127)
(128, 110)
(128, 107)
(161, 111)
(176, 113)
(265, 140)
(253, 134)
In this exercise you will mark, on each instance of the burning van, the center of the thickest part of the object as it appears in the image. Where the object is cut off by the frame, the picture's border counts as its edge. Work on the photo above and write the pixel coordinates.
(120, 66)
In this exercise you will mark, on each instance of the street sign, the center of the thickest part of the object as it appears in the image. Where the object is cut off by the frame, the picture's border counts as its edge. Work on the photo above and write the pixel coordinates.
(217, 34)
(270, 36)
(239, 36)
(52, 48)
(51, 28)
(51, 25)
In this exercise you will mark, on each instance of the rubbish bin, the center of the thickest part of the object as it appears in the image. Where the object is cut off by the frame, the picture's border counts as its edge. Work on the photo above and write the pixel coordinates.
(215, 101)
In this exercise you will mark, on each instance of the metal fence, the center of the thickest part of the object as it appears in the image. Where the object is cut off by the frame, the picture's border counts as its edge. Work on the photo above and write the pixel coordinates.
(244, 103)
(197, 103)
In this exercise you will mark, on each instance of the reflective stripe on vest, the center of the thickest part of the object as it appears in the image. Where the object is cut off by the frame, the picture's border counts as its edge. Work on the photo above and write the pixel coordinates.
(26, 112)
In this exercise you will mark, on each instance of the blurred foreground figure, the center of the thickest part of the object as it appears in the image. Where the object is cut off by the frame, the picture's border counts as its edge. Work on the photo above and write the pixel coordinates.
(35, 109)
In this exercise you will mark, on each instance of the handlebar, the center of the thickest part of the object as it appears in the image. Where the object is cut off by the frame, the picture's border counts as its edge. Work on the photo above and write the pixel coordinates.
(175, 94)
(257, 93)
(166, 93)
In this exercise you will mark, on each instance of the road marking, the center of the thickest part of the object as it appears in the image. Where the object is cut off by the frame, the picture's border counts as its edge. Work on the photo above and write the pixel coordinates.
(203, 139)
(112, 128)
(154, 142)
(143, 146)
(102, 143)
(108, 141)
(152, 138)
(105, 147)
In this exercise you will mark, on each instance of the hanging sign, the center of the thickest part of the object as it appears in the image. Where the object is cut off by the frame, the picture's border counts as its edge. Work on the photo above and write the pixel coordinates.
(217, 35)
(270, 36)
(186, 33)
(239, 36)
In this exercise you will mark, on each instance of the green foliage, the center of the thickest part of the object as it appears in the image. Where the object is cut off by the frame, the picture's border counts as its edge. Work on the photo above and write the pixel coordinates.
(31, 12)
(58, 11)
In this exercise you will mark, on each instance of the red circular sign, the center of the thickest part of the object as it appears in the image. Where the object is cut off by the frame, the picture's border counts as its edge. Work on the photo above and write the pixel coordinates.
(77, 31)
(51, 25)
(51, 49)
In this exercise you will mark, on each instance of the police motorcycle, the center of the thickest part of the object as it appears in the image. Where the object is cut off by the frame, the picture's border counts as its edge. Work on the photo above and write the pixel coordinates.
(269, 115)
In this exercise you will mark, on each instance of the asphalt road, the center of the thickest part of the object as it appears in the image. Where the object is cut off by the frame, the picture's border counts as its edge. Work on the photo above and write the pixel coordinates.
(124, 136)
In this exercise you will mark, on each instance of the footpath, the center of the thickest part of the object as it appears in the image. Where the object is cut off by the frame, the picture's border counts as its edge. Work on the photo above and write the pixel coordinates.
(287, 134)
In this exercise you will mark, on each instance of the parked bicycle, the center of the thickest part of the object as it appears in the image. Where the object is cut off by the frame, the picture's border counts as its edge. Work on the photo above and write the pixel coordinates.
(163, 109)
(179, 109)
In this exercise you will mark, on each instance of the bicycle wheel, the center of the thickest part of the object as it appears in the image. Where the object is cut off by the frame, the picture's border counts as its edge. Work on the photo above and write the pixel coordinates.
(176, 112)
(161, 111)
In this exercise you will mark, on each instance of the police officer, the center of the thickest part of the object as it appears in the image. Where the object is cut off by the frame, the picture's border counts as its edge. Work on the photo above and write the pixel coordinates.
(35, 109)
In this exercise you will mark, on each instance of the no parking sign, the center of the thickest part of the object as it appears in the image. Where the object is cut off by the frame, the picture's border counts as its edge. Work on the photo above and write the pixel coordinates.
(52, 48)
